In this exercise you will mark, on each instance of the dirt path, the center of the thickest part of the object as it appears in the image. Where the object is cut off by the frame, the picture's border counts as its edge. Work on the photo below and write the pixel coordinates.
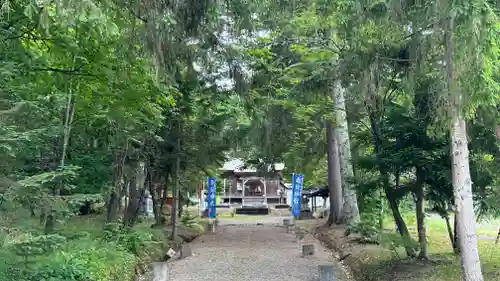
(250, 252)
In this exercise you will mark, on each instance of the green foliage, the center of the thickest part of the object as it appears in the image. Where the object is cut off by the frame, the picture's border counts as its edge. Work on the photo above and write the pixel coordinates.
(369, 232)
(90, 89)
(38, 245)
(112, 230)
(136, 242)
(105, 262)
(188, 219)
(394, 241)
(59, 272)
(81, 256)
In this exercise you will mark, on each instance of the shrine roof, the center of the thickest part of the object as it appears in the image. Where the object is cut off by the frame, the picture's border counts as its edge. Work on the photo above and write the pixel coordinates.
(238, 165)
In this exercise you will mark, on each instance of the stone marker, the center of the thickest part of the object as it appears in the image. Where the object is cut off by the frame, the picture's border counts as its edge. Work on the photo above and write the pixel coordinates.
(208, 227)
(160, 271)
(327, 273)
(186, 251)
(300, 235)
(170, 253)
(307, 250)
(325, 213)
(286, 222)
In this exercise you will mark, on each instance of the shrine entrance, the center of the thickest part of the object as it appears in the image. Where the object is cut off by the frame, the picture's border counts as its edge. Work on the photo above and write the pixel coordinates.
(246, 187)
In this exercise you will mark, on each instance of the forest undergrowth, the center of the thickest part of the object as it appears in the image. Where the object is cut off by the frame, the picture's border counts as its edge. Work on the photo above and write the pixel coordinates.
(82, 248)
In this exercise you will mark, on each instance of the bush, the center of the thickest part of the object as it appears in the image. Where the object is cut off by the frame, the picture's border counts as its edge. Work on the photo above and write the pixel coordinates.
(38, 245)
(77, 260)
(81, 252)
(136, 242)
(369, 233)
(104, 261)
(59, 272)
(133, 240)
(112, 231)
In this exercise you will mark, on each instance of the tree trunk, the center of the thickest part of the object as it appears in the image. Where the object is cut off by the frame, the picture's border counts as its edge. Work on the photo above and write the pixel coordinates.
(464, 208)
(175, 193)
(153, 190)
(334, 175)
(420, 212)
(126, 194)
(50, 223)
(114, 202)
(400, 224)
(450, 233)
(180, 205)
(350, 211)
(165, 210)
(136, 196)
(112, 207)
(456, 245)
(31, 208)
(461, 179)
(381, 210)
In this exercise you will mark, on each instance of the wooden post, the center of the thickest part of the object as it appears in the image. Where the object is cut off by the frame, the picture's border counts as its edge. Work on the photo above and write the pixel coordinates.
(265, 191)
(230, 190)
(243, 193)
(498, 236)
(224, 187)
(201, 204)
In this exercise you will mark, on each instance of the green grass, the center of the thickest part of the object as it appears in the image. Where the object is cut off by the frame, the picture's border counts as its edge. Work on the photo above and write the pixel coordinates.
(440, 246)
(444, 265)
(375, 262)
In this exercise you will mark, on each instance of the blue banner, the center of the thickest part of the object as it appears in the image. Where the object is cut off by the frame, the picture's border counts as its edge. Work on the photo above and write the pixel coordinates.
(297, 184)
(211, 198)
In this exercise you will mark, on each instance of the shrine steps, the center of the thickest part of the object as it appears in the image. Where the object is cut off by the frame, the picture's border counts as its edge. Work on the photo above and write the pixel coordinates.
(252, 210)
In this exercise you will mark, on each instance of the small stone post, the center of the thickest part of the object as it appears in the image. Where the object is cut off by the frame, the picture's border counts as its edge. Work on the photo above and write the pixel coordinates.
(327, 273)
(160, 271)
(307, 250)
(186, 251)
(299, 235)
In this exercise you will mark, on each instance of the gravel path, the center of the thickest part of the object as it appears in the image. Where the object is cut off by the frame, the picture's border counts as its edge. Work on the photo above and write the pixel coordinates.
(249, 252)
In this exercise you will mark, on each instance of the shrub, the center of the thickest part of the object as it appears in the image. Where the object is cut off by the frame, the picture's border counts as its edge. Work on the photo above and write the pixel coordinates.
(369, 233)
(136, 242)
(38, 245)
(59, 272)
(105, 261)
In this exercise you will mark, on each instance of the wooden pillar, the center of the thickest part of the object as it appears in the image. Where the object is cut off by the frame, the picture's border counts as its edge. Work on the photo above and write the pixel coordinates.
(265, 191)
(230, 190)
(243, 192)
(224, 186)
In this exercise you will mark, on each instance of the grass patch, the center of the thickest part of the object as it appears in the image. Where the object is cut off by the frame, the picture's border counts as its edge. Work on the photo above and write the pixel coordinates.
(374, 262)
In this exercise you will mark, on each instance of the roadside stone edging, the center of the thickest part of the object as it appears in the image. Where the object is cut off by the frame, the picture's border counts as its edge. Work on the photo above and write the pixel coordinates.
(160, 270)
(353, 267)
